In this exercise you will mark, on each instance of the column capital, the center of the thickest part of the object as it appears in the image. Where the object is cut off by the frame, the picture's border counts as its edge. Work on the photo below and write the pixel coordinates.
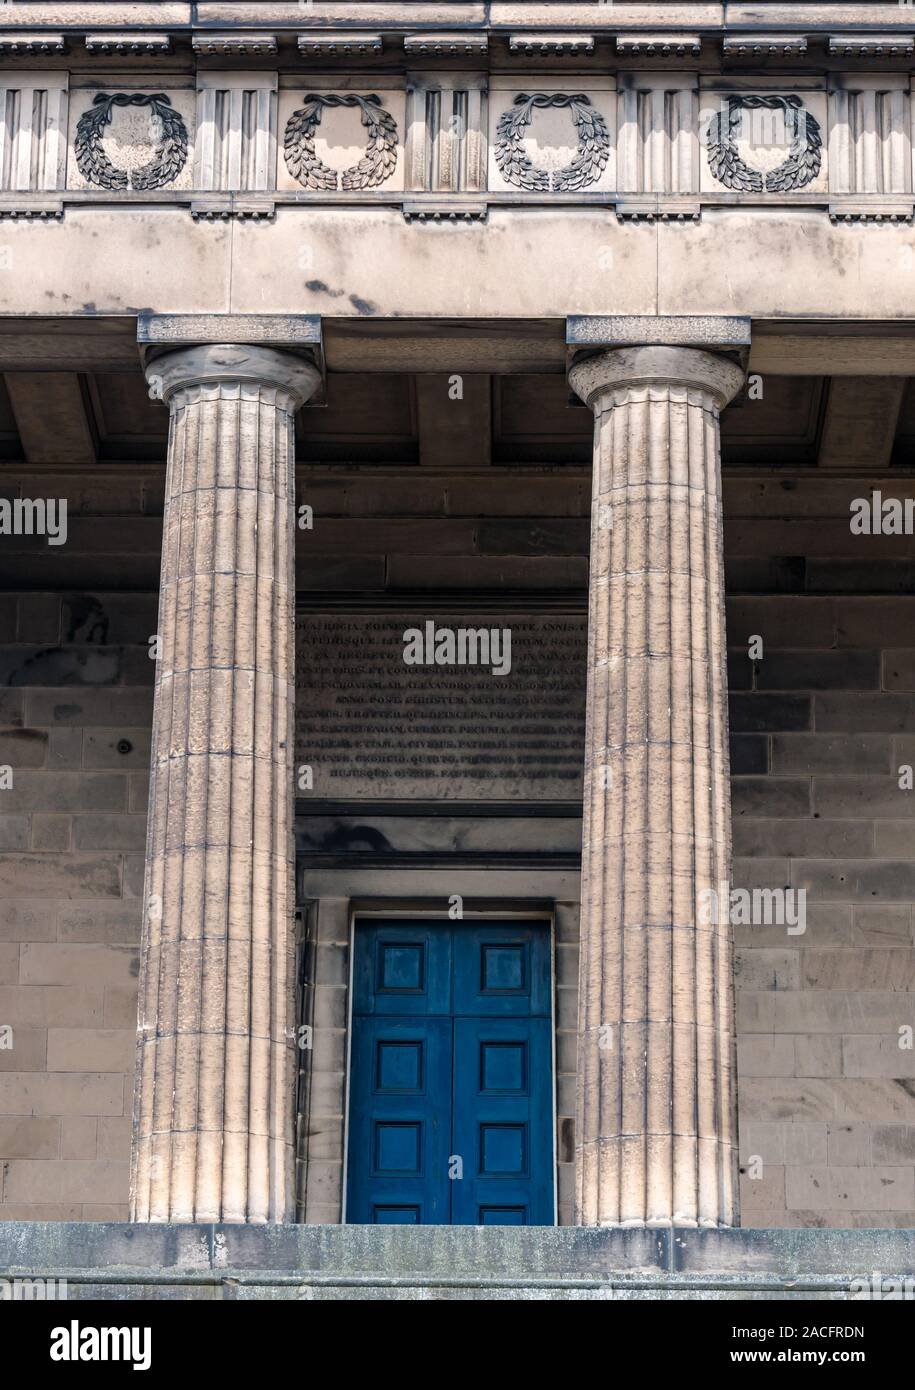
(595, 376)
(233, 364)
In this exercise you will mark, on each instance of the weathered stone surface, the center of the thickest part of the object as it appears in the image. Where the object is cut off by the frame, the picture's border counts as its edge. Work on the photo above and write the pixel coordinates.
(794, 753)
(213, 1086)
(322, 1262)
(762, 713)
(90, 707)
(78, 1136)
(29, 1137)
(85, 1049)
(75, 965)
(656, 1123)
(48, 875)
(78, 1093)
(50, 832)
(53, 792)
(30, 1180)
(37, 1006)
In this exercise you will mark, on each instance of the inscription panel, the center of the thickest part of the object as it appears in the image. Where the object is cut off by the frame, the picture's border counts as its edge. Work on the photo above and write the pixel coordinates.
(373, 726)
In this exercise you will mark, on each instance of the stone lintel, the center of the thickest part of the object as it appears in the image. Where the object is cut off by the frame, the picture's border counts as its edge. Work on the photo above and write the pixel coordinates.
(839, 349)
(501, 346)
(67, 344)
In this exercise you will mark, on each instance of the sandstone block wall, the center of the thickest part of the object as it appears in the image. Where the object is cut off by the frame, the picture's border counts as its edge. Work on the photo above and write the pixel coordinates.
(75, 713)
(821, 726)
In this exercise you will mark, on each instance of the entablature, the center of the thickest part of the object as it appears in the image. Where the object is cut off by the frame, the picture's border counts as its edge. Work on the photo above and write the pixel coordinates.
(655, 111)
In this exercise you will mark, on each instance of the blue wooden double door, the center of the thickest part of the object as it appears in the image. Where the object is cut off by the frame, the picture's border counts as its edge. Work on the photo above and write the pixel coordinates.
(451, 1089)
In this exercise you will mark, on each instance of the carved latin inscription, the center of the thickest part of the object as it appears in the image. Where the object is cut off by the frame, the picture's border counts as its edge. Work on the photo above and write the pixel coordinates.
(371, 724)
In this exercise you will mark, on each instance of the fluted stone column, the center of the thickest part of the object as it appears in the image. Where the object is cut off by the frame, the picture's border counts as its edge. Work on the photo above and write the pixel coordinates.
(212, 1130)
(656, 1128)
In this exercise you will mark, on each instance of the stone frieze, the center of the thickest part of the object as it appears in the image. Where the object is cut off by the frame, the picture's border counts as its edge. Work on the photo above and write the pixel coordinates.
(651, 144)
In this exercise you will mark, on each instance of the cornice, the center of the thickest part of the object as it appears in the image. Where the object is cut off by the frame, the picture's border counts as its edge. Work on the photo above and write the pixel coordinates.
(706, 16)
(640, 32)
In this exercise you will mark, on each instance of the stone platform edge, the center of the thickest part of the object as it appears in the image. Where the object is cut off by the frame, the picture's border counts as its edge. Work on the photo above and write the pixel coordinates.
(124, 1261)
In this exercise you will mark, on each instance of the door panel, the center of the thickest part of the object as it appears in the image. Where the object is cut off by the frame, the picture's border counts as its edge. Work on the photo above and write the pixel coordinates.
(400, 1070)
(502, 968)
(402, 968)
(503, 1122)
(451, 1093)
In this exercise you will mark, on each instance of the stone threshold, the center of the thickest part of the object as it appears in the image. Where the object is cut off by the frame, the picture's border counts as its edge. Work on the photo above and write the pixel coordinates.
(123, 1261)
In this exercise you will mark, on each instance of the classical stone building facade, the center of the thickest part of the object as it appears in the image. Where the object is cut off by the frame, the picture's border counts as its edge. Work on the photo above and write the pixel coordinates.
(458, 657)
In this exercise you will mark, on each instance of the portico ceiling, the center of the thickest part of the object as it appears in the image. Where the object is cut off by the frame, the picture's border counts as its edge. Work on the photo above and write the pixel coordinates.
(54, 418)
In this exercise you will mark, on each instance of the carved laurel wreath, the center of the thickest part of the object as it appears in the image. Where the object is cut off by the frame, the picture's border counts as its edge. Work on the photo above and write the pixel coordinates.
(169, 156)
(804, 158)
(376, 165)
(593, 144)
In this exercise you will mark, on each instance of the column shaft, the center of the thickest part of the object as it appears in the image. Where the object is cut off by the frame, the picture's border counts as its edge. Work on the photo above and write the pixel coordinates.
(656, 1130)
(212, 1113)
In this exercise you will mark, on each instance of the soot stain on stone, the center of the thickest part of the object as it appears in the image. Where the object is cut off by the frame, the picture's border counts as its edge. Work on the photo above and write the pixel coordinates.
(88, 620)
(349, 838)
(58, 666)
(321, 287)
